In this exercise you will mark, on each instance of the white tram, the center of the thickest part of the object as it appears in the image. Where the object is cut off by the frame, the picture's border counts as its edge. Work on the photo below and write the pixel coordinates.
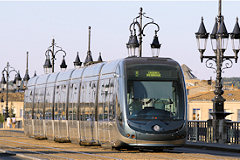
(139, 102)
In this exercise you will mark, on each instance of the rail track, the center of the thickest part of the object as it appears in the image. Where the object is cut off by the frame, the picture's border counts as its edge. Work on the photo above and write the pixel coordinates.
(29, 148)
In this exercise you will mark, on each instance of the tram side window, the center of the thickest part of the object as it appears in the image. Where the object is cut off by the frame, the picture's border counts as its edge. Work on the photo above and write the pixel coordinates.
(70, 110)
(48, 103)
(35, 105)
(93, 99)
(38, 103)
(41, 109)
(90, 89)
(87, 102)
(111, 100)
(106, 100)
(60, 105)
(73, 101)
(119, 114)
(101, 96)
(56, 103)
(83, 102)
(28, 104)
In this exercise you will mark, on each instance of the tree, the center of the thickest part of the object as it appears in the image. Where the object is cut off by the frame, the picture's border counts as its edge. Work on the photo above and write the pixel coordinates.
(1, 118)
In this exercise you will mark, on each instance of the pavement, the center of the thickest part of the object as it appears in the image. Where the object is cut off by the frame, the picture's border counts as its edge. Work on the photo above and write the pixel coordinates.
(4, 154)
(214, 146)
(12, 129)
(200, 145)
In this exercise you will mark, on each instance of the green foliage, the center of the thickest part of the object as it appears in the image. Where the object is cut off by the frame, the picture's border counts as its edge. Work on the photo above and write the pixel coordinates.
(10, 112)
(1, 118)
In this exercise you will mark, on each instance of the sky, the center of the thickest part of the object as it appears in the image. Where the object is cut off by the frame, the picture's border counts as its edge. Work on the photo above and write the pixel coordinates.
(31, 26)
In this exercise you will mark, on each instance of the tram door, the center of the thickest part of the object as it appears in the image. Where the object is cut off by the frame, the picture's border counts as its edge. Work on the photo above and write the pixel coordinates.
(106, 111)
(83, 116)
(111, 111)
(93, 121)
(103, 111)
(87, 112)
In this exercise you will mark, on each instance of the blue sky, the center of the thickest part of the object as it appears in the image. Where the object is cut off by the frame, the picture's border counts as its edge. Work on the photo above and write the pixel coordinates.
(30, 26)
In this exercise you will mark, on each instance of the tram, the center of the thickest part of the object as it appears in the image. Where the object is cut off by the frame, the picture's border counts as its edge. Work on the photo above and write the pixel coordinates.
(134, 101)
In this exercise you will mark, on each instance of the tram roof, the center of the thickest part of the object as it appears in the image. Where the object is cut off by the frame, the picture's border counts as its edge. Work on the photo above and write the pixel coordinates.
(93, 70)
(110, 67)
(77, 73)
(32, 81)
(42, 79)
(151, 60)
(65, 75)
(52, 78)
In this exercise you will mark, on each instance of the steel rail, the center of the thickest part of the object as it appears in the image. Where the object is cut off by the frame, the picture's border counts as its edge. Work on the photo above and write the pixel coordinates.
(84, 153)
(32, 157)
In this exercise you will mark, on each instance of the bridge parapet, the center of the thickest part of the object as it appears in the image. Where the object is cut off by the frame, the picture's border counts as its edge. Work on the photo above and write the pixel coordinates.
(202, 131)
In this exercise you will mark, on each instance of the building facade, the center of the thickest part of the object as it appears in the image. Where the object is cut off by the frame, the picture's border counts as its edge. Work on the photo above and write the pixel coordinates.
(200, 105)
(15, 106)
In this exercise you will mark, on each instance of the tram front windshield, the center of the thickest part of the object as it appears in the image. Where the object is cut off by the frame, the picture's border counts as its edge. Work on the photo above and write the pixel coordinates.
(154, 92)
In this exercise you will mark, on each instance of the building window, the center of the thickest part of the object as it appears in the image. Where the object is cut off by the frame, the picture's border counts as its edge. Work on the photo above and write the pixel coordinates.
(238, 117)
(21, 113)
(196, 114)
(209, 115)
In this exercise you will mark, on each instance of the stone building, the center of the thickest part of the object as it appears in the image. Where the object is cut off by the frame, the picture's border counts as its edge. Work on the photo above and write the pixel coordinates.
(15, 105)
(200, 105)
(200, 95)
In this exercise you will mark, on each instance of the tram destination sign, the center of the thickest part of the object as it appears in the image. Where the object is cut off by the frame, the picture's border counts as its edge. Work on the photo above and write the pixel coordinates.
(152, 74)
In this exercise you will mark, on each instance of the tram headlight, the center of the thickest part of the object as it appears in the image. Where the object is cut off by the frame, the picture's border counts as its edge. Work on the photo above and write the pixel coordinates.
(156, 128)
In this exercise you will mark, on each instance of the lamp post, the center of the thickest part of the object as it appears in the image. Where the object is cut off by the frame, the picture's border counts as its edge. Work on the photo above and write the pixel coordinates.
(5, 83)
(48, 66)
(89, 58)
(26, 76)
(219, 40)
(134, 44)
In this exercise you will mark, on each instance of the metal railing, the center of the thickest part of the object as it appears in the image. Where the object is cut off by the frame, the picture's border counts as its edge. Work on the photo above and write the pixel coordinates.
(233, 132)
(202, 131)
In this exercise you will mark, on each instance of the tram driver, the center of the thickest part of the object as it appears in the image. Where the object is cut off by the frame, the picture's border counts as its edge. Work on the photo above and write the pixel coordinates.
(135, 106)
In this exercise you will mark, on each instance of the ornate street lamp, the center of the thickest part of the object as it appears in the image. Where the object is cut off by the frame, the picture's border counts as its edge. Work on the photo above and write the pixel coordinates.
(47, 65)
(134, 45)
(155, 46)
(35, 74)
(235, 36)
(219, 40)
(100, 57)
(77, 63)
(213, 37)
(89, 58)
(26, 76)
(63, 65)
(18, 80)
(4, 83)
